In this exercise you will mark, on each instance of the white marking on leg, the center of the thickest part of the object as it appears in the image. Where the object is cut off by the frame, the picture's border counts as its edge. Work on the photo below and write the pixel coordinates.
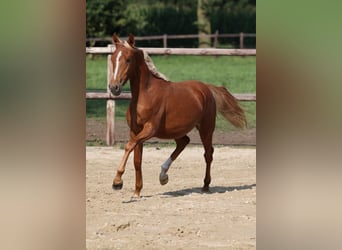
(166, 164)
(117, 64)
(163, 177)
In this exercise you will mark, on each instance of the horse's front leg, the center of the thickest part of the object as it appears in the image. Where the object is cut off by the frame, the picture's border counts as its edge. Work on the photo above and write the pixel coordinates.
(146, 133)
(137, 165)
(117, 182)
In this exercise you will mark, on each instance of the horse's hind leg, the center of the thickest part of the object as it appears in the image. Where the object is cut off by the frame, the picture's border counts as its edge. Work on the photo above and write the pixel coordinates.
(181, 144)
(206, 137)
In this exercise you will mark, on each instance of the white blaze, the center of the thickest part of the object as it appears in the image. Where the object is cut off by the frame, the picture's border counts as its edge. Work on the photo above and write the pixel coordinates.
(117, 64)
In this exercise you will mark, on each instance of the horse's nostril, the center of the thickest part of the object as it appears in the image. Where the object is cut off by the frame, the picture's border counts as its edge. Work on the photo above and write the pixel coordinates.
(115, 89)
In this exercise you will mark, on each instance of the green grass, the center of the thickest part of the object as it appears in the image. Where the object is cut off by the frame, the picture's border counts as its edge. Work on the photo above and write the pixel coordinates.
(237, 74)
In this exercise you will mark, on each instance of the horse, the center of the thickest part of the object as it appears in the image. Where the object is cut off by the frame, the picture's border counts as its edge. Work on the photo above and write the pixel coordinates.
(166, 110)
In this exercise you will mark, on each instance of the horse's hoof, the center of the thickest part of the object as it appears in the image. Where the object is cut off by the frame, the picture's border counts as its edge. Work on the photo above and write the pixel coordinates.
(205, 190)
(135, 196)
(117, 186)
(163, 179)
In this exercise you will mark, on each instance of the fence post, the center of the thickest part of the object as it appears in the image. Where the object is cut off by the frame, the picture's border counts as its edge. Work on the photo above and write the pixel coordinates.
(241, 40)
(110, 137)
(165, 40)
(216, 39)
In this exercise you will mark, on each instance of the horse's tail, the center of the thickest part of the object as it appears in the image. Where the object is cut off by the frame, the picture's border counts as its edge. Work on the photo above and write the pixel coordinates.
(228, 106)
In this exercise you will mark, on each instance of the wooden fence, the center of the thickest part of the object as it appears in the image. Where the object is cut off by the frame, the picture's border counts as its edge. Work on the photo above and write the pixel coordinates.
(110, 135)
(166, 37)
(180, 51)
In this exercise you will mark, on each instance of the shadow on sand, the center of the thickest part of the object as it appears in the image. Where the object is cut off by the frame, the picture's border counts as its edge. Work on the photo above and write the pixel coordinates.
(188, 191)
(213, 190)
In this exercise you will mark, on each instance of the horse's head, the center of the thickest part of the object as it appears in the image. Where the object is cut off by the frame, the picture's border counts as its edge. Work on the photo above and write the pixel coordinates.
(123, 62)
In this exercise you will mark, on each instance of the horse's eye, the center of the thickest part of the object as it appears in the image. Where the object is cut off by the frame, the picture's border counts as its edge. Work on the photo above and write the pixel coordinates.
(128, 60)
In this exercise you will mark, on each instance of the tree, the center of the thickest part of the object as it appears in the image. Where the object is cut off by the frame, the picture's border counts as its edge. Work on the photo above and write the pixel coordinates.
(101, 16)
(203, 24)
(156, 17)
(232, 16)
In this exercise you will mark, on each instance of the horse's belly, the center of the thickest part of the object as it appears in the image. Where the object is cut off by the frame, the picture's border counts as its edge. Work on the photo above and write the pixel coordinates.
(178, 124)
(173, 133)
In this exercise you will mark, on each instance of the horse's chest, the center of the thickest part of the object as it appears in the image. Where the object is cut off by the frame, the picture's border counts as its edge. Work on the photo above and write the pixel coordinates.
(143, 114)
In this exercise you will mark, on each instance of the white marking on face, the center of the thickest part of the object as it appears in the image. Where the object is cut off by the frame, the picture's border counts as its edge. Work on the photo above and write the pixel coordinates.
(166, 164)
(117, 64)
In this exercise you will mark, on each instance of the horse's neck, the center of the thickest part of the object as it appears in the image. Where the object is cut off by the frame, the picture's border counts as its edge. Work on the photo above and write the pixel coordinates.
(140, 81)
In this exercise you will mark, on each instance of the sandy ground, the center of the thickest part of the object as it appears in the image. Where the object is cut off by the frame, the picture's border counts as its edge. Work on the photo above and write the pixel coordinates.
(177, 215)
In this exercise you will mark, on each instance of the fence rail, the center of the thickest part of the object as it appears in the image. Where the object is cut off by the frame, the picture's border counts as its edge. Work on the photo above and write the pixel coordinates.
(166, 37)
(110, 136)
(179, 51)
(127, 96)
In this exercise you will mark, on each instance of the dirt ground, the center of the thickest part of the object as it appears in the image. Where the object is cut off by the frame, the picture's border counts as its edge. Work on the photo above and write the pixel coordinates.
(177, 215)
(96, 132)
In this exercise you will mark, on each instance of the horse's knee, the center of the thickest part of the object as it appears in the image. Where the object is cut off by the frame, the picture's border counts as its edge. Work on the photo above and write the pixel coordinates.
(130, 145)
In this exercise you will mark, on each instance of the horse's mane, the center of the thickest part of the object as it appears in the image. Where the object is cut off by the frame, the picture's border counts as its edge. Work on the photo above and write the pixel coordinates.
(153, 68)
(149, 62)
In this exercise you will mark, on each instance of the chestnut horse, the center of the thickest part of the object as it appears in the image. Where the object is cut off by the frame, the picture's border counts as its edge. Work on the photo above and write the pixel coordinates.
(166, 110)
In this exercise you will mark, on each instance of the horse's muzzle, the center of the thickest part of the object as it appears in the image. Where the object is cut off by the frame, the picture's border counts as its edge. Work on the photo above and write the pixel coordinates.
(115, 89)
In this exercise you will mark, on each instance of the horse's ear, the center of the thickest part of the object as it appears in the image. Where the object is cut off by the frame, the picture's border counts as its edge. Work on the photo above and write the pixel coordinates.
(116, 39)
(131, 40)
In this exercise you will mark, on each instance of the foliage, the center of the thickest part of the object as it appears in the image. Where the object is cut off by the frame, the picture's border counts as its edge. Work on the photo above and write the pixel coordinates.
(101, 16)
(159, 17)
(134, 18)
(150, 17)
(203, 25)
(233, 16)
(241, 16)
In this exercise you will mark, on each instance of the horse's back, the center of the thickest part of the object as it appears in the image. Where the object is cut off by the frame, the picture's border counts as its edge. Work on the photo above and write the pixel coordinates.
(186, 105)
(194, 93)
